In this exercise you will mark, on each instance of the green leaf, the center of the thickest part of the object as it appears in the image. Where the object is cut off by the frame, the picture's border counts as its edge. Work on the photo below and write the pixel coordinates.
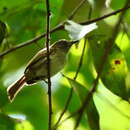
(115, 68)
(6, 123)
(114, 73)
(114, 111)
(91, 111)
(33, 106)
(24, 124)
(3, 97)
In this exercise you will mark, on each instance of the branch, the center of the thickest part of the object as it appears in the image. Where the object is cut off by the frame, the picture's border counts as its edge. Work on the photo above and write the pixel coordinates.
(77, 71)
(108, 48)
(60, 27)
(105, 16)
(80, 61)
(96, 80)
(29, 42)
(89, 96)
(76, 9)
(64, 110)
(48, 64)
(71, 90)
(83, 51)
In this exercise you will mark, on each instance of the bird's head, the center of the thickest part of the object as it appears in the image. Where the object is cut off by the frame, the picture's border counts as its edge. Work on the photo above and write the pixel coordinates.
(63, 45)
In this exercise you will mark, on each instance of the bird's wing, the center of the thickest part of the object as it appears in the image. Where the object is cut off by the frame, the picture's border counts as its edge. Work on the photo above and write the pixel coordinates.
(41, 55)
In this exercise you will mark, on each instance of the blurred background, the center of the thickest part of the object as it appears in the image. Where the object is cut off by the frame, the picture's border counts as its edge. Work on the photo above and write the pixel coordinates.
(26, 19)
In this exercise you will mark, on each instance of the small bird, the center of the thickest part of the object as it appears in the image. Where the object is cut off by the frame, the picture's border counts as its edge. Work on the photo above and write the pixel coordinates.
(36, 69)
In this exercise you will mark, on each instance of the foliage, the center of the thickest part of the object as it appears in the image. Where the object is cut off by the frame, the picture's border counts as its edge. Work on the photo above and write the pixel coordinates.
(109, 104)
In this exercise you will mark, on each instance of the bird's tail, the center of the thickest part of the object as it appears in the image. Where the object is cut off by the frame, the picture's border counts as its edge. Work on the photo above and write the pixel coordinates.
(13, 89)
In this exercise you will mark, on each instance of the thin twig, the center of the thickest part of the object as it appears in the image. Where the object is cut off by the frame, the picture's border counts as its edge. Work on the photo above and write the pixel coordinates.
(76, 9)
(70, 116)
(48, 63)
(76, 74)
(60, 27)
(29, 42)
(64, 110)
(83, 51)
(108, 48)
(90, 13)
(71, 90)
(105, 16)
(80, 61)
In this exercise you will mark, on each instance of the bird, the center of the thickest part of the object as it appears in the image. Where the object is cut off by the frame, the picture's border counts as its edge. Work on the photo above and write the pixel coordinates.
(36, 69)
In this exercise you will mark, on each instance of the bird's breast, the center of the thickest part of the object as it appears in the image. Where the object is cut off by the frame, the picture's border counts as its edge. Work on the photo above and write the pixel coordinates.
(38, 71)
(57, 62)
